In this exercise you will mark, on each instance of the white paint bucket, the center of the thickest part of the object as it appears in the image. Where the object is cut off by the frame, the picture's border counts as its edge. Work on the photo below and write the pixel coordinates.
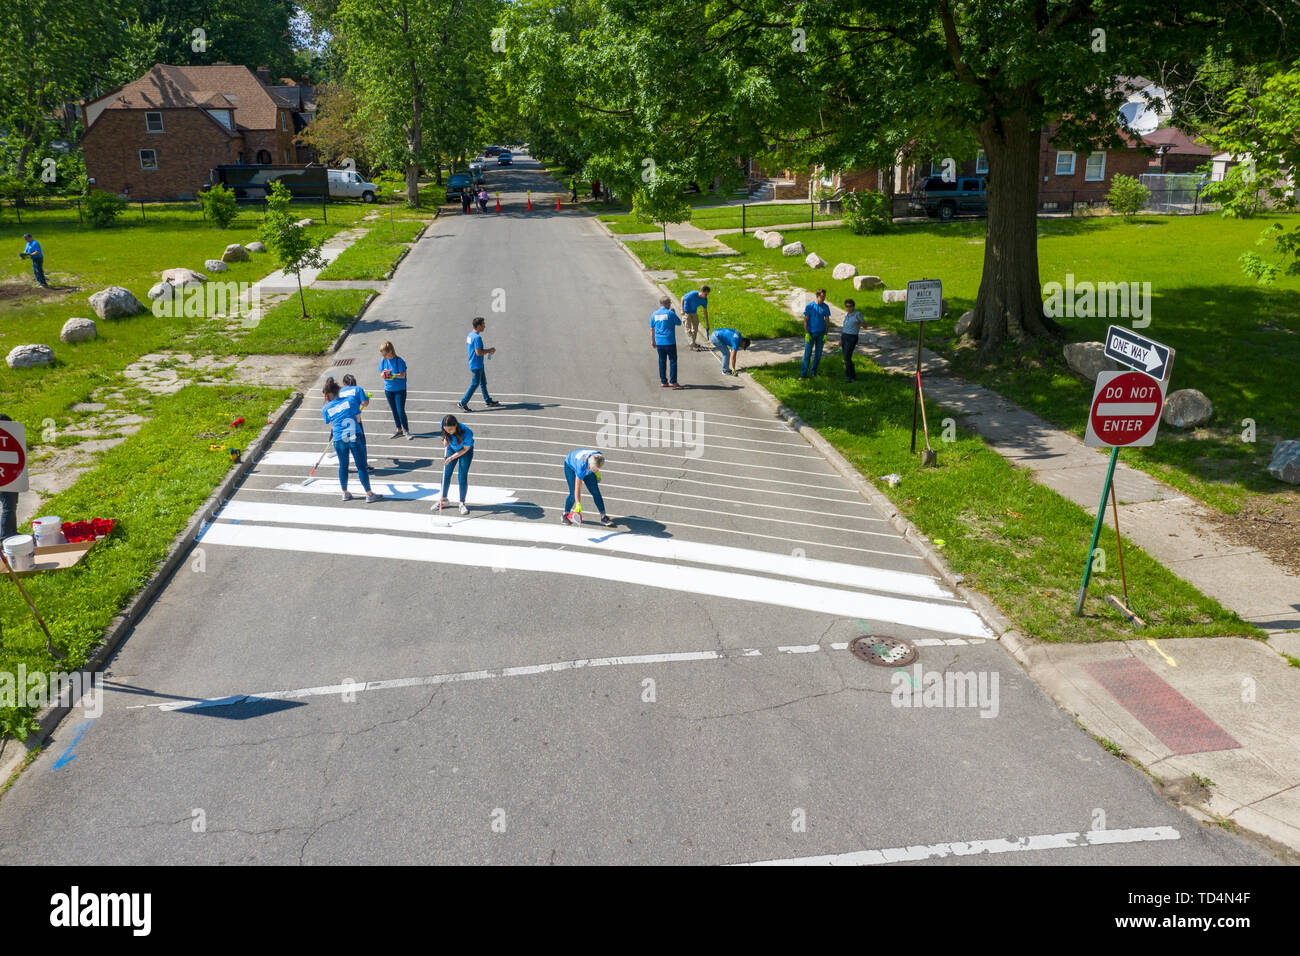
(48, 531)
(20, 552)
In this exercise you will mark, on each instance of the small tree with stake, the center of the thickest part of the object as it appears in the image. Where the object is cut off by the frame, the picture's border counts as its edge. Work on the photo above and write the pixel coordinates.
(660, 201)
(288, 241)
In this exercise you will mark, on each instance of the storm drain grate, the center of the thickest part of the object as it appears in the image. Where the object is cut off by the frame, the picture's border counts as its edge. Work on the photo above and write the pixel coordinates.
(882, 651)
(343, 362)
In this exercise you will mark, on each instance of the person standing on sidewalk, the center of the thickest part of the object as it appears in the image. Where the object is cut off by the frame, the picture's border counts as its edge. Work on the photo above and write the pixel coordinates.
(34, 252)
(663, 323)
(816, 319)
(392, 369)
(849, 338)
(728, 342)
(458, 455)
(584, 464)
(345, 430)
(476, 353)
(692, 302)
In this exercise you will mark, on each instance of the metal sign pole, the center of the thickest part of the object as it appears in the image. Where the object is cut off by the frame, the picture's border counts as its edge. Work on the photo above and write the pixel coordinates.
(1096, 531)
(1119, 545)
(916, 392)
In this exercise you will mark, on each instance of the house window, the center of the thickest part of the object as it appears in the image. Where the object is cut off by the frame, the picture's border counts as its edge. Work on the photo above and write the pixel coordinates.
(981, 164)
(1065, 164)
(286, 156)
(1096, 169)
(148, 159)
(284, 122)
(153, 122)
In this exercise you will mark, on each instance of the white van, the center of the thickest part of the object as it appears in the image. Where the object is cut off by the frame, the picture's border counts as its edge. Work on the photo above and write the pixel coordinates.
(348, 183)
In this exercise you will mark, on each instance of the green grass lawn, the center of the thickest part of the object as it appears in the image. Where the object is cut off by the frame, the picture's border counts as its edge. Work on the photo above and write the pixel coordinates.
(1237, 341)
(373, 255)
(1021, 544)
(717, 216)
(284, 331)
(152, 483)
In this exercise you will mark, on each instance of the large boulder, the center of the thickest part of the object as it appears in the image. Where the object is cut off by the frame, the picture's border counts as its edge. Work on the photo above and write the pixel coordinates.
(893, 295)
(78, 330)
(1187, 408)
(814, 261)
(792, 249)
(867, 282)
(1088, 359)
(1285, 465)
(963, 323)
(773, 240)
(30, 356)
(115, 303)
(235, 253)
(844, 270)
(255, 246)
(215, 265)
(182, 277)
(760, 234)
(162, 290)
(303, 222)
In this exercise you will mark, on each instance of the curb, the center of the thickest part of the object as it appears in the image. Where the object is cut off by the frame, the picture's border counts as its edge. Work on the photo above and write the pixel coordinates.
(121, 625)
(365, 306)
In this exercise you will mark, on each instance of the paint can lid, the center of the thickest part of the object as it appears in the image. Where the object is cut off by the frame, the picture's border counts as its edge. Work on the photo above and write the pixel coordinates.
(18, 544)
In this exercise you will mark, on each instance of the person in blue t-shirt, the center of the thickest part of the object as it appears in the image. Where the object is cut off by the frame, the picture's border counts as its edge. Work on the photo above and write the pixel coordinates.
(476, 353)
(34, 252)
(341, 416)
(392, 369)
(816, 319)
(458, 455)
(664, 322)
(692, 303)
(728, 342)
(584, 464)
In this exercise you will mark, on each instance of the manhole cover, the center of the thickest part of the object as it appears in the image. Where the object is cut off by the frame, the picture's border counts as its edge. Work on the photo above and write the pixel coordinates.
(883, 651)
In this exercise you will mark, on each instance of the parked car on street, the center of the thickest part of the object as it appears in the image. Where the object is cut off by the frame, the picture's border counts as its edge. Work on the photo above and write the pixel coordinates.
(348, 184)
(505, 159)
(964, 196)
(476, 172)
(492, 151)
(457, 184)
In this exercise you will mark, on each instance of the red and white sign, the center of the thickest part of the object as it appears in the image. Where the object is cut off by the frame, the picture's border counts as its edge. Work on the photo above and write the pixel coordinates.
(1125, 411)
(13, 457)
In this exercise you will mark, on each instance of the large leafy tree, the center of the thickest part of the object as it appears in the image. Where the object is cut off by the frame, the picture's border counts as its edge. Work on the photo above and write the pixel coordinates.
(692, 84)
(251, 33)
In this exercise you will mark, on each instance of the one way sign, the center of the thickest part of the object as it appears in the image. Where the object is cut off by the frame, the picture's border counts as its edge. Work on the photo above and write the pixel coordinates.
(1136, 351)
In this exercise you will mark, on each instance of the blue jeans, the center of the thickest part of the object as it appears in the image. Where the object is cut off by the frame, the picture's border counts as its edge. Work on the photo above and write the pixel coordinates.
(724, 350)
(38, 269)
(358, 451)
(847, 344)
(812, 348)
(593, 488)
(478, 381)
(397, 402)
(8, 514)
(461, 464)
(667, 357)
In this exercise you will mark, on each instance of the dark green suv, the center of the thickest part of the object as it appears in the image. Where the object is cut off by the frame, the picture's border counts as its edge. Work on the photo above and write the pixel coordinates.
(963, 196)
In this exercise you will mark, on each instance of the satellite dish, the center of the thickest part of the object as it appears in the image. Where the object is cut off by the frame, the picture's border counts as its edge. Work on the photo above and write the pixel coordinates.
(1139, 118)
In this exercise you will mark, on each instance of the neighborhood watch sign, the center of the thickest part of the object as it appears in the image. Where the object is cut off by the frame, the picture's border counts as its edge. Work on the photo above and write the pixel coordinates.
(1112, 300)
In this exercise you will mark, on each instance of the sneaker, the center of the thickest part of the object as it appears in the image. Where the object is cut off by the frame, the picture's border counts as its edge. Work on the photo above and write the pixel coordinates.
(347, 496)
(409, 436)
(371, 496)
(463, 407)
(607, 521)
(463, 509)
(493, 404)
(396, 434)
(567, 518)
(675, 385)
(663, 384)
(438, 506)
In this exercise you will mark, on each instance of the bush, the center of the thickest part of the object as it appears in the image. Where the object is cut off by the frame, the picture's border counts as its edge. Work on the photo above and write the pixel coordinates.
(1127, 195)
(868, 212)
(1239, 193)
(102, 207)
(391, 183)
(219, 205)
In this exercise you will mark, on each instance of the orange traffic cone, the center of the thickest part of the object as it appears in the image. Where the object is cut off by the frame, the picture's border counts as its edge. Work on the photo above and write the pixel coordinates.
(530, 201)
(498, 204)
(557, 203)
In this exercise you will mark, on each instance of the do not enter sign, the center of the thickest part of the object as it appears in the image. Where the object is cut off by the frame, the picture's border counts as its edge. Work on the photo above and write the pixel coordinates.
(1125, 410)
(13, 457)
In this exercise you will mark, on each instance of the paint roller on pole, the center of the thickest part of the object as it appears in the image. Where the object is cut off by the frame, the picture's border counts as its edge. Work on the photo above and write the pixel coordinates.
(311, 474)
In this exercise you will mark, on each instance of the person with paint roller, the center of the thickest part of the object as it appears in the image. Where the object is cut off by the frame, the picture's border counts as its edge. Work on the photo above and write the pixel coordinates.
(692, 303)
(583, 464)
(392, 369)
(345, 431)
(458, 445)
(728, 342)
(816, 319)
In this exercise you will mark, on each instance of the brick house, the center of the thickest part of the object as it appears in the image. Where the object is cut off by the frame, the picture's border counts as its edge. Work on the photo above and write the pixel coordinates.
(160, 136)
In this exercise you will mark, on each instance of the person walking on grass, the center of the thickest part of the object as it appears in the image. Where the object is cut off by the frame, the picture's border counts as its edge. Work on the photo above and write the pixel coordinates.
(663, 335)
(816, 319)
(392, 369)
(849, 338)
(476, 353)
(349, 441)
(728, 342)
(458, 445)
(584, 464)
(34, 252)
(692, 303)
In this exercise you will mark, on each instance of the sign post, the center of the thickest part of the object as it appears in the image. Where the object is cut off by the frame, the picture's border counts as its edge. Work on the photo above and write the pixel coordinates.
(1139, 352)
(924, 304)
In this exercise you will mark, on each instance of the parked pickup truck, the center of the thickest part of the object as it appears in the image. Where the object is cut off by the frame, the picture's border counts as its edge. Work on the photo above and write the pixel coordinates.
(964, 196)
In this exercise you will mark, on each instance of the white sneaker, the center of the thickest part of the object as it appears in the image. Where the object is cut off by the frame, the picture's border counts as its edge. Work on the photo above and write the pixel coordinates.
(463, 509)
(347, 496)
(438, 506)
(409, 436)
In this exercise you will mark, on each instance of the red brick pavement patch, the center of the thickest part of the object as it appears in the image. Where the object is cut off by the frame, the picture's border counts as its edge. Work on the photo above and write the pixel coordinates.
(1178, 723)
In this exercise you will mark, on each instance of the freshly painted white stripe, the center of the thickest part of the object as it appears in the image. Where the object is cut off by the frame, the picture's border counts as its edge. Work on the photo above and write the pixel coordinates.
(1050, 841)
(526, 670)
(400, 490)
(741, 587)
(603, 539)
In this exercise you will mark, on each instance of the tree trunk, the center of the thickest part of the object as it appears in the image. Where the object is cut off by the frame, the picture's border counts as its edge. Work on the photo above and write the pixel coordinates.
(301, 300)
(1009, 306)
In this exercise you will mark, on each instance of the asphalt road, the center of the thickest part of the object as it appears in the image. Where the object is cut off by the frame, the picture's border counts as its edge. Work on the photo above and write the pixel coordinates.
(330, 682)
